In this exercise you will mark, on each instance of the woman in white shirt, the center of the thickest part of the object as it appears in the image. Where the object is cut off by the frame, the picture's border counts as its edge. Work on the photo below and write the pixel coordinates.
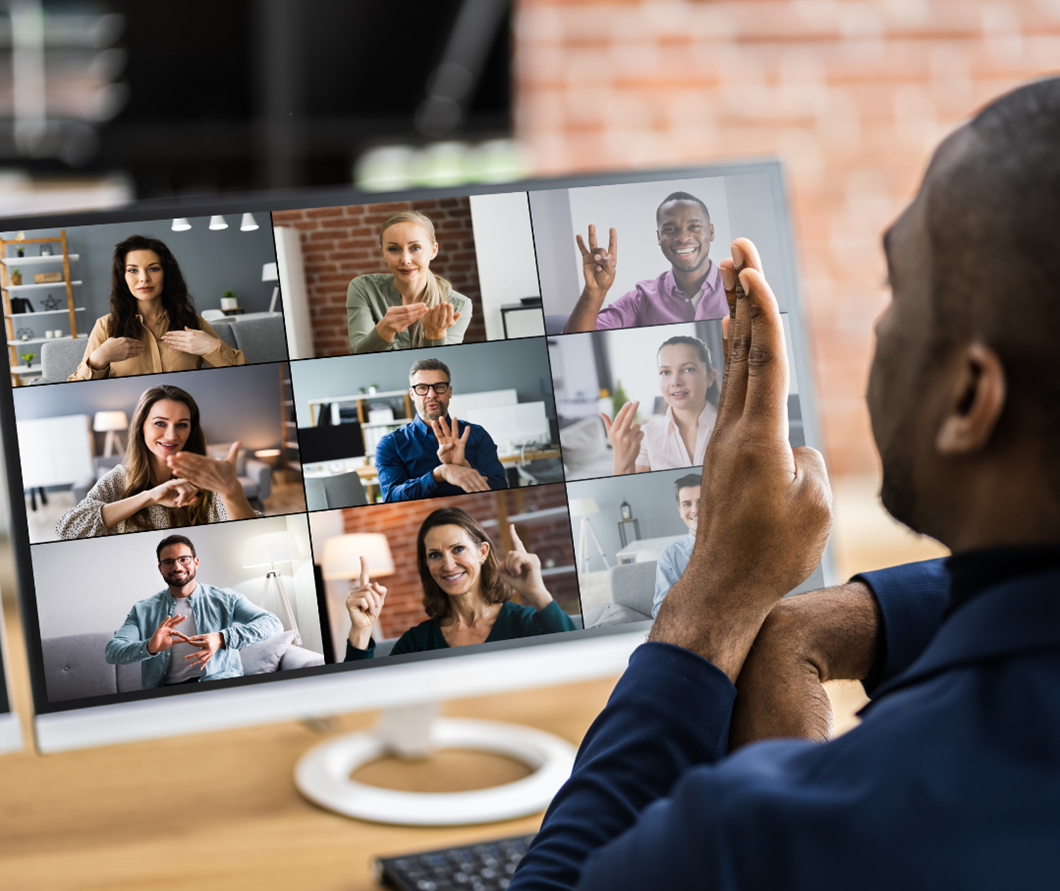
(689, 385)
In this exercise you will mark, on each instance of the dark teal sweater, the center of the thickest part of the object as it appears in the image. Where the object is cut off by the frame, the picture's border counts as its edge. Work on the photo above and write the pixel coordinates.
(513, 621)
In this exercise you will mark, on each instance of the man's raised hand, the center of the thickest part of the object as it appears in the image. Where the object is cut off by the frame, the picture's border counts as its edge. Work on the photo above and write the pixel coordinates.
(770, 505)
(598, 266)
(165, 635)
(364, 603)
(451, 447)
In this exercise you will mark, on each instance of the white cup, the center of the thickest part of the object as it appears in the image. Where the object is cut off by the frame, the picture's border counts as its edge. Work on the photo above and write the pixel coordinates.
(50, 335)
(58, 332)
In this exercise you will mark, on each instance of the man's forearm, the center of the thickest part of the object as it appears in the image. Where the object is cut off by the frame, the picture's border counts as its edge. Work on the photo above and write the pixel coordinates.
(825, 635)
(583, 316)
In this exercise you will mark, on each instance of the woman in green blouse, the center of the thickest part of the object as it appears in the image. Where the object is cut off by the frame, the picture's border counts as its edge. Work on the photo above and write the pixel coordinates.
(409, 306)
(466, 592)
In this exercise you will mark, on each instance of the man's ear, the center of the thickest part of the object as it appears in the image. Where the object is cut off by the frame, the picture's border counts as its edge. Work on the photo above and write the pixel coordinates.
(976, 402)
(710, 232)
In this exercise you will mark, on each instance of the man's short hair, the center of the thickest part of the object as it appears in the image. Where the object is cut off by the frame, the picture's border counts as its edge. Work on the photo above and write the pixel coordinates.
(995, 263)
(680, 196)
(686, 482)
(430, 364)
(172, 540)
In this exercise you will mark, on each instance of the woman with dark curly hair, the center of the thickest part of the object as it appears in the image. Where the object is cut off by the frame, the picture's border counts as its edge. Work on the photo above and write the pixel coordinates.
(152, 325)
(467, 592)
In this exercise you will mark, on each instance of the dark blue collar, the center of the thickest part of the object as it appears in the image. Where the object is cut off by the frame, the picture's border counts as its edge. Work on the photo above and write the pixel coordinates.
(1016, 617)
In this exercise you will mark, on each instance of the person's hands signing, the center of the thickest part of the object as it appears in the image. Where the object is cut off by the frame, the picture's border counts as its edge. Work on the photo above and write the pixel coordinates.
(770, 505)
(437, 321)
(625, 436)
(364, 603)
(398, 319)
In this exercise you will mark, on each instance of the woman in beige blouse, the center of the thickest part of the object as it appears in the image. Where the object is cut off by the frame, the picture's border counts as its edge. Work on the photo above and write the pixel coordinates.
(166, 479)
(152, 325)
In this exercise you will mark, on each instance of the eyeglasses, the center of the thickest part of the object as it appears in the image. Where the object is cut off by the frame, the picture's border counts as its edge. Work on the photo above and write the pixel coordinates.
(422, 389)
(183, 561)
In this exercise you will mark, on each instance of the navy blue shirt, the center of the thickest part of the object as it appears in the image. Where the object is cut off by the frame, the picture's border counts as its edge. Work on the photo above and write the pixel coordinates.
(406, 458)
(951, 781)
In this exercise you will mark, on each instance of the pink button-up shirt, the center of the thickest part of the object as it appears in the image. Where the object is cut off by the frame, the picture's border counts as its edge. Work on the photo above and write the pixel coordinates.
(659, 301)
(662, 447)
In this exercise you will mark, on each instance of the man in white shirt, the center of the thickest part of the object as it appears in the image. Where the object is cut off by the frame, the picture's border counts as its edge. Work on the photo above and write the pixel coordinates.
(674, 558)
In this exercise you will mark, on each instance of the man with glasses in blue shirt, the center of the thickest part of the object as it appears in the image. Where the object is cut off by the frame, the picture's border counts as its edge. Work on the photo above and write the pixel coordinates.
(436, 454)
(214, 624)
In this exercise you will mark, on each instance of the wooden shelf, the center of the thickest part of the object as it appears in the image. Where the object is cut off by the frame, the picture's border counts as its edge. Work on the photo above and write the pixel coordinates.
(52, 285)
(43, 312)
(18, 262)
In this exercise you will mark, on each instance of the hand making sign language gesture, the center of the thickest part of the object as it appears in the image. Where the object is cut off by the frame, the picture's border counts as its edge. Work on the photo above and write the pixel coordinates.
(364, 603)
(450, 446)
(166, 636)
(208, 644)
(211, 475)
(522, 570)
(191, 340)
(399, 318)
(625, 435)
(598, 269)
(438, 320)
(770, 505)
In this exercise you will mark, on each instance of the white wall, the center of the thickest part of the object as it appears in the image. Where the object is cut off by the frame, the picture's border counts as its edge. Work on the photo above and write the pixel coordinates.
(90, 584)
(507, 267)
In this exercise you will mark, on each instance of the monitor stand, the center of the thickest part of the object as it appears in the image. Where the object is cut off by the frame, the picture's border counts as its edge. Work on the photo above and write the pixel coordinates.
(323, 774)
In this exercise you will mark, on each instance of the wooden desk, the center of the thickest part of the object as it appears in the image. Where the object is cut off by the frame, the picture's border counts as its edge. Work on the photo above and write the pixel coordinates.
(221, 808)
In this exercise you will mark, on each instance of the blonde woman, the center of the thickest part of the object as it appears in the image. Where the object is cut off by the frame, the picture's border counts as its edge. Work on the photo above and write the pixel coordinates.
(165, 479)
(409, 306)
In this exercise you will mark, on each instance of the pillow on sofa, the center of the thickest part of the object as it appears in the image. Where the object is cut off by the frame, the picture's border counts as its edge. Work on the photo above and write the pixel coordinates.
(264, 657)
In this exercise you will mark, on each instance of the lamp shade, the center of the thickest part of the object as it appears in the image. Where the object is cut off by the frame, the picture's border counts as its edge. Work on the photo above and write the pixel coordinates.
(272, 547)
(249, 224)
(218, 222)
(269, 273)
(105, 421)
(580, 507)
(181, 224)
(342, 555)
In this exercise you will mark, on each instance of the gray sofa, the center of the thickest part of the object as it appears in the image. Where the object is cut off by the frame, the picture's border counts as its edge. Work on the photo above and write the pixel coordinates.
(632, 592)
(74, 667)
(261, 340)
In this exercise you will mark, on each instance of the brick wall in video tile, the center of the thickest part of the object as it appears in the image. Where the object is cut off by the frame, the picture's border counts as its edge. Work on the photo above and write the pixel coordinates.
(340, 243)
(548, 538)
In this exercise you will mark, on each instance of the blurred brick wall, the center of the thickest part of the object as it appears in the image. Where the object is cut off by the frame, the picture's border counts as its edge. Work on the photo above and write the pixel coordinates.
(549, 538)
(340, 243)
(852, 96)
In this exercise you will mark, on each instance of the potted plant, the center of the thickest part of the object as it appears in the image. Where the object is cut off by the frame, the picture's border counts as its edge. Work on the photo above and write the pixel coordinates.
(27, 358)
(21, 251)
(16, 276)
(229, 300)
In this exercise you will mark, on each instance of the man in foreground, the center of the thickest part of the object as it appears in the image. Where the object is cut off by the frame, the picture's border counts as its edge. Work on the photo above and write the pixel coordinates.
(189, 631)
(953, 778)
(435, 455)
(689, 290)
(674, 558)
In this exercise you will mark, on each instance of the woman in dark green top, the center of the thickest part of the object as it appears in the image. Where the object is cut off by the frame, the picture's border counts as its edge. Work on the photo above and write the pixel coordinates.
(466, 592)
(409, 306)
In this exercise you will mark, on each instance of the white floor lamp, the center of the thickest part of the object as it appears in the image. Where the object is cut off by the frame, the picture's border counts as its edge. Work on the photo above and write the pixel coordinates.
(582, 507)
(268, 550)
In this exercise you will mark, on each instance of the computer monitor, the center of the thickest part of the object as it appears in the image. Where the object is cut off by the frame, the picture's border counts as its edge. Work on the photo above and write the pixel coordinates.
(333, 442)
(202, 435)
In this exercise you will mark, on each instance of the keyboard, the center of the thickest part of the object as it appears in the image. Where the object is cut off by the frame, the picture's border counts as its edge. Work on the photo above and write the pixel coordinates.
(483, 867)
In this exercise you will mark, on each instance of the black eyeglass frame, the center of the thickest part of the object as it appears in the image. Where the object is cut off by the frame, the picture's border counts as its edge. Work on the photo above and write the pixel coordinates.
(446, 386)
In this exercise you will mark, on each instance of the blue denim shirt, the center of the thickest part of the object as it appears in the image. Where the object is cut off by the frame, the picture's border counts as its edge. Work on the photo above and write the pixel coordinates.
(240, 622)
(406, 458)
(671, 566)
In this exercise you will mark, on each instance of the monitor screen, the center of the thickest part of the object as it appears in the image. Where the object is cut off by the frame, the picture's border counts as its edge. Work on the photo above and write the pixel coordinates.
(436, 365)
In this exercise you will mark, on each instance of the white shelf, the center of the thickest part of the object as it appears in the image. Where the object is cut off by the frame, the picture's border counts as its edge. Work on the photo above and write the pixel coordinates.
(33, 340)
(19, 262)
(52, 285)
(22, 369)
(43, 312)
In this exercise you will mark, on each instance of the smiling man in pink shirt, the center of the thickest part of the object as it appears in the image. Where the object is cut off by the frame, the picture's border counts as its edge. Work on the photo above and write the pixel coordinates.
(688, 291)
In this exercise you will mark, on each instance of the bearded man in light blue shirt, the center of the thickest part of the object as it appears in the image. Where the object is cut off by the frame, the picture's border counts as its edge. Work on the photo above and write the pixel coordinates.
(674, 558)
(216, 622)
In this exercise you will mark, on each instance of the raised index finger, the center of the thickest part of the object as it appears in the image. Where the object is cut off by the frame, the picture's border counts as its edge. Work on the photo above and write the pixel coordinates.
(517, 544)
(364, 571)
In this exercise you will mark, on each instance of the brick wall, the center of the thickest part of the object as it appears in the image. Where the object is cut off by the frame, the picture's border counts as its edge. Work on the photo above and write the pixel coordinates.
(549, 538)
(340, 243)
(852, 96)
